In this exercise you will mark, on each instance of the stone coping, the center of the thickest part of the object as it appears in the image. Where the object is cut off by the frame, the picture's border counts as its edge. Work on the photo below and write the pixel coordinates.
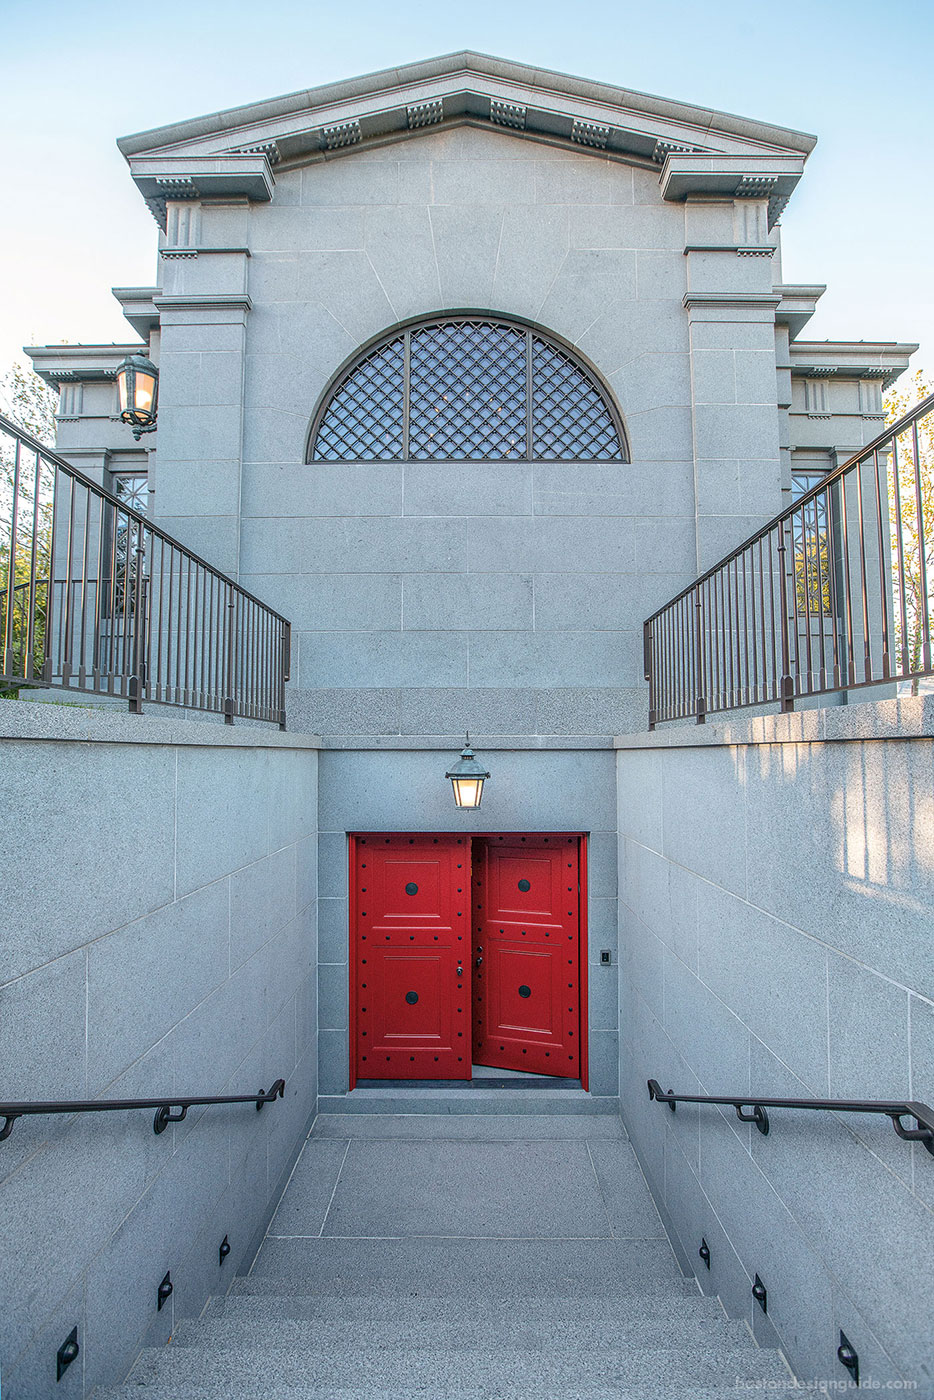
(483, 743)
(110, 724)
(908, 717)
(54, 720)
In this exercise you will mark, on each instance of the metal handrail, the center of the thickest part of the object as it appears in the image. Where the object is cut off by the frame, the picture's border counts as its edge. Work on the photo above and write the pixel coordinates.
(127, 610)
(812, 603)
(922, 1113)
(9, 1112)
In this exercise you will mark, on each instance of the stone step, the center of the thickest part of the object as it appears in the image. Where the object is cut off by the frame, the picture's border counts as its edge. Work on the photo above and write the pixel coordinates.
(467, 1100)
(449, 1267)
(284, 1290)
(370, 1368)
(660, 1389)
(463, 1332)
(665, 1307)
(487, 1127)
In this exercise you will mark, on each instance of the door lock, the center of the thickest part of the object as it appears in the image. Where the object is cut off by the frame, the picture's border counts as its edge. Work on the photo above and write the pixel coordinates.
(460, 972)
(477, 962)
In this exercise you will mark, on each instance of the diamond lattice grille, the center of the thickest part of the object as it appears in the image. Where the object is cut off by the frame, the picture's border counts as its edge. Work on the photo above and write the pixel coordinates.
(468, 392)
(570, 419)
(463, 391)
(364, 420)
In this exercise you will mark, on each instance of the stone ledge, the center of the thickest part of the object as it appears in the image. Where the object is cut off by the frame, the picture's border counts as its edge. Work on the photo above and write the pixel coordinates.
(51, 721)
(908, 717)
(488, 743)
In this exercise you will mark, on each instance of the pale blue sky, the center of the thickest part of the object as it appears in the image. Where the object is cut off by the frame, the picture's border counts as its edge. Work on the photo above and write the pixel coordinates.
(77, 76)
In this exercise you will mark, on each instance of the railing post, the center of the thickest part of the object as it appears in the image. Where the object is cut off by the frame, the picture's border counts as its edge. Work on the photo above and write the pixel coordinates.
(50, 585)
(923, 539)
(284, 665)
(648, 669)
(9, 597)
(700, 697)
(137, 677)
(231, 652)
(786, 686)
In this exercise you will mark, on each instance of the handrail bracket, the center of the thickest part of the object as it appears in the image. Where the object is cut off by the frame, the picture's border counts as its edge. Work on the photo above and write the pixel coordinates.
(920, 1134)
(757, 1116)
(165, 1116)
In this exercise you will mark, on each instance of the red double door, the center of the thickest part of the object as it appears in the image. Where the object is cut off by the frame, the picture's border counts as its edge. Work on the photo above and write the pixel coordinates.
(466, 950)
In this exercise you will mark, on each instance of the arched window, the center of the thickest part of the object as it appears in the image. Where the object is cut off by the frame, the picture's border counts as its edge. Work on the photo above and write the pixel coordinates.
(467, 388)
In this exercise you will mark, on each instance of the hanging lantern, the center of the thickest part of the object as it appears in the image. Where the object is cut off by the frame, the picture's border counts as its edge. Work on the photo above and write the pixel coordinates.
(467, 777)
(138, 391)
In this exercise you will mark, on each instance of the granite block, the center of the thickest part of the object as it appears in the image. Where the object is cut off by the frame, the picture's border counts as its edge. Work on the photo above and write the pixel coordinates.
(180, 955)
(399, 1189)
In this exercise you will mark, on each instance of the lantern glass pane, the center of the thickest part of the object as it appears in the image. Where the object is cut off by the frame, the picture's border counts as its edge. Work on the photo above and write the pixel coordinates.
(145, 388)
(121, 388)
(467, 791)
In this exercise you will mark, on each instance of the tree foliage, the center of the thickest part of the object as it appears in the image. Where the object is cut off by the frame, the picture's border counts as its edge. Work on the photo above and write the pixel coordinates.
(911, 515)
(26, 507)
(30, 402)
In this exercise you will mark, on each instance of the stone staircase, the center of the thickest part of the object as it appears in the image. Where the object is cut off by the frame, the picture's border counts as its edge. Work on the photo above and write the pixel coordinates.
(469, 1256)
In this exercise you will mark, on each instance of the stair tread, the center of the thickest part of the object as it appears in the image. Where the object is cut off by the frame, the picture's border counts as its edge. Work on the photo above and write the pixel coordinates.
(464, 1333)
(457, 1267)
(285, 1286)
(660, 1389)
(442, 1370)
(365, 1308)
(516, 1102)
(490, 1127)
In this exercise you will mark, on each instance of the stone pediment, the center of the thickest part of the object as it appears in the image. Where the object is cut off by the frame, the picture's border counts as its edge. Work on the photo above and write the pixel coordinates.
(696, 149)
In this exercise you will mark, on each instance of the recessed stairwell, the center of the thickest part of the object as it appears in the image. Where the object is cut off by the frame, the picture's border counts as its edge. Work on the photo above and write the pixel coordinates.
(476, 1255)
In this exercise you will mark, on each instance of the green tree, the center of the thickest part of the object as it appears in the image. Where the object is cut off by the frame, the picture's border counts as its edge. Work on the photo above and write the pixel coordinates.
(27, 503)
(30, 402)
(911, 515)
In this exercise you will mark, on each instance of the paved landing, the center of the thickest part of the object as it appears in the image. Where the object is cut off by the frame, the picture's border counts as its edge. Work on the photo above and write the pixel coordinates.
(385, 1176)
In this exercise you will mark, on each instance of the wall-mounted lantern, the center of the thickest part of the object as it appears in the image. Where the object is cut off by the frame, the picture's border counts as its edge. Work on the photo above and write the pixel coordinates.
(138, 391)
(467, 778)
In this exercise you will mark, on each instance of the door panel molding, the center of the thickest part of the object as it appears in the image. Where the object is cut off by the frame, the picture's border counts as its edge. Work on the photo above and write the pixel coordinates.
(526, 934)
(410, 980)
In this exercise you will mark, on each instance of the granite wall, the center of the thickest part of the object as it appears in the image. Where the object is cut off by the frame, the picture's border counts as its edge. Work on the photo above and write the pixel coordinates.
(159, 937)
(776, 886)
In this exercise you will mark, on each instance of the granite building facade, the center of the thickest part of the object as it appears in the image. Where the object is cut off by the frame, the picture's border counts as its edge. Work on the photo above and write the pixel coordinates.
(466, 368)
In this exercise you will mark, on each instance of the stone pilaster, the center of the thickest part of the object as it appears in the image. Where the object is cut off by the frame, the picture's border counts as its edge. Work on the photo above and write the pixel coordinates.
(731, 304)
(203, 308)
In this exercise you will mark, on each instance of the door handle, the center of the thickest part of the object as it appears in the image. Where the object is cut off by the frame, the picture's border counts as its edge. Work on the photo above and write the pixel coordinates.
(477, 962)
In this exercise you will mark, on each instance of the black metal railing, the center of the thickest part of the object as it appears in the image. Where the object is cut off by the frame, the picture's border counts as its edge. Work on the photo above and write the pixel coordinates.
(165, 1107)
(833, 594)
(94, 597)
(755, 1110)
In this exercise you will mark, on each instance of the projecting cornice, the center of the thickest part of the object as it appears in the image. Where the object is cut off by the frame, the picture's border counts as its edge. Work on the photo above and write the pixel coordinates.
(850, 359)
(746, 176)
(234, 151)
(797, 305)
(177, 176)
(139, 308)
(58, 364)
